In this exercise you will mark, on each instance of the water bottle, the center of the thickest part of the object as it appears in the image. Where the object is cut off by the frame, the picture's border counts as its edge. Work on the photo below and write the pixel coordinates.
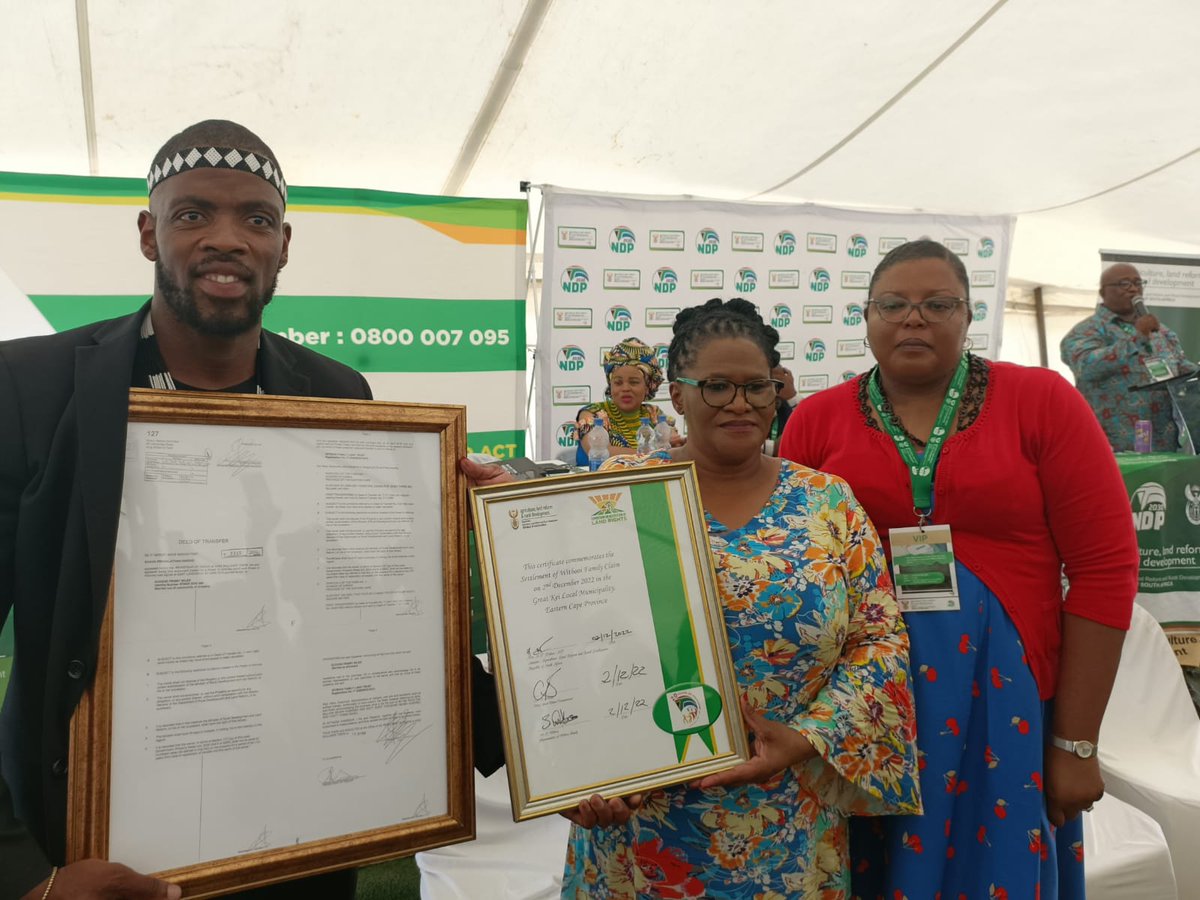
(662, 435)
(596, 442)
(645, 437)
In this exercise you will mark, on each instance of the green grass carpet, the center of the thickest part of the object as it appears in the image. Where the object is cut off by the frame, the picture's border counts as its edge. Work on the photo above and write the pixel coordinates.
(396, 880)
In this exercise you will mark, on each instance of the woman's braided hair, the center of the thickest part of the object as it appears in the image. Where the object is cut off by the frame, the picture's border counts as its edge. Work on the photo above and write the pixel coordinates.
(735, 318)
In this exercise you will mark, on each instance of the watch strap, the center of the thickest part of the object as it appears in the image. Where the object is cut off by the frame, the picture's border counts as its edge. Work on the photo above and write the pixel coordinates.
(1074, 746)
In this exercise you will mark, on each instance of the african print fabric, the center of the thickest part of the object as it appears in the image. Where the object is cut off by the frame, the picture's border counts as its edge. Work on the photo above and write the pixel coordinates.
(1107, 355)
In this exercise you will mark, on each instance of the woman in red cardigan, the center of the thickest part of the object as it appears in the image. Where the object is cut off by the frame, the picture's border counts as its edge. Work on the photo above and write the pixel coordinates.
(989, 481)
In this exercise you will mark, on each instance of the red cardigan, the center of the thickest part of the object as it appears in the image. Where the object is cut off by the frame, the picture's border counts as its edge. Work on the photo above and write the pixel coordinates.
(1029, 487)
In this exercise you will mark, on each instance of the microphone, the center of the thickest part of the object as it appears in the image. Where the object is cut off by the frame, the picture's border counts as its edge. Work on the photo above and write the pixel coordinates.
(1139, 307)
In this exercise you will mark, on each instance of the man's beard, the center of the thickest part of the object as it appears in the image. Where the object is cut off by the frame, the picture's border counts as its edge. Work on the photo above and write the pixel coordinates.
(183, 304)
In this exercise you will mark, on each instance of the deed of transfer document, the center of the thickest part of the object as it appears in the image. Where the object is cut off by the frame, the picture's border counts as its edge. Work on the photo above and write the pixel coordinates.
(278, 664)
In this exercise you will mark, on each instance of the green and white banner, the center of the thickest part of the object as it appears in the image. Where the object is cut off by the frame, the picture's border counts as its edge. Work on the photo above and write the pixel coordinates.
(425, 295)
(1172, 291)
(617, 267)
(1164, 499)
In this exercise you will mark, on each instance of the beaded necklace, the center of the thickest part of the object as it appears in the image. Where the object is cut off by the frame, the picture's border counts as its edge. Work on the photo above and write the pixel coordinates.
(624, 424)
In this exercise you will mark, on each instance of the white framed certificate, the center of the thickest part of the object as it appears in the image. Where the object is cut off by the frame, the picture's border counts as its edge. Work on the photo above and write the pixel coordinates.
(607, 636)
(283, 682)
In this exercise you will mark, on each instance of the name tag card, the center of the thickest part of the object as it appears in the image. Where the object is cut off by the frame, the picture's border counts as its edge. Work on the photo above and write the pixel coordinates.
(923, 568)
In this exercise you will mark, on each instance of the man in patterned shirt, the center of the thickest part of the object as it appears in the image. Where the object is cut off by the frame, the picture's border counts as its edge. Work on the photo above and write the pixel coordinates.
(1108, 351)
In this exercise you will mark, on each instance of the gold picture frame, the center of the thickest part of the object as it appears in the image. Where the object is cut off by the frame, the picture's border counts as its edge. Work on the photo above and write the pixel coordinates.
(620, 623)
(93, 754)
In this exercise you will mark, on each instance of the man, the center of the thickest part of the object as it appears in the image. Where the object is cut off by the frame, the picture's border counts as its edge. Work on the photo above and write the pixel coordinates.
(1108, 352)
(785, 402)
(216, 235)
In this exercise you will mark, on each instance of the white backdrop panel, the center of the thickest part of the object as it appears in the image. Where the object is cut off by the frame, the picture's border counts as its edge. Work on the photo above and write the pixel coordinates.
(618, 266)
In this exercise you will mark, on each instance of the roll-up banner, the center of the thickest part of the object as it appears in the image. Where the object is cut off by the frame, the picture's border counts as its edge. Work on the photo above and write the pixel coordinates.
(425, 295)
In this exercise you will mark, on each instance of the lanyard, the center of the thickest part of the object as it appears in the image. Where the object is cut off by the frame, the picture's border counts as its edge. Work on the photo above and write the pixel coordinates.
(920, 469)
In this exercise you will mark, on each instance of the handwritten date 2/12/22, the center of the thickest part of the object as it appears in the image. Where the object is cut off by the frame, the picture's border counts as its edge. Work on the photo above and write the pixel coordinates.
(627, 708)
(619, 674)
(612, 635)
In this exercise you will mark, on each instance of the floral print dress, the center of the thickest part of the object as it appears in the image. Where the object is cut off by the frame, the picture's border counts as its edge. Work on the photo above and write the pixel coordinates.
(817, 641)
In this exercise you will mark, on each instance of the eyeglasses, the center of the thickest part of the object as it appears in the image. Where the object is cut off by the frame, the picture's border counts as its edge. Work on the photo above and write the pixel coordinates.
(719, 392)
(897, 309)
(1126, 283)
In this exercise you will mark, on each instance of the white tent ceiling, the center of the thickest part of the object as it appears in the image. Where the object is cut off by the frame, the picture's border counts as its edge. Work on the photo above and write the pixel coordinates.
(1083, 108)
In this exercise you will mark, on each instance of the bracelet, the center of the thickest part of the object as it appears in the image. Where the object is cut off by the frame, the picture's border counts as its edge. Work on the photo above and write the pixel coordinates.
(50, 883)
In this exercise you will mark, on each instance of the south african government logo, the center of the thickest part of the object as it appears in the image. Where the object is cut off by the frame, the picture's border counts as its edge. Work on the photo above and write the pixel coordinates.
(619, 318)
(785, 243)
(781, 315)
(607, 510)
(746, 281)
(621, 240)
(1192, 492)
(979, 310)
(815, 351)
(856, 246)
(571, 358)
(1149, 505)
(986, 247)
(665, 281)
(707, 241)
(566, 434)
(574, 280)
(819, 280)
(852, 314)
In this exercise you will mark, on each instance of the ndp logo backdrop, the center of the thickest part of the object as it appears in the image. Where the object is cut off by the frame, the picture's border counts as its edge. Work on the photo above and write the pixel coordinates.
(619, 267)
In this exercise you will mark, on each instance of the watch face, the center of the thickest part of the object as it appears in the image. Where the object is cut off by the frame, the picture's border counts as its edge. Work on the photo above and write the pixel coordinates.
(1085, 749)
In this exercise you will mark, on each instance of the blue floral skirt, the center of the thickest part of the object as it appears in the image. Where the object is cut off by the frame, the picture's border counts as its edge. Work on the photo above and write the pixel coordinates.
(981, 729)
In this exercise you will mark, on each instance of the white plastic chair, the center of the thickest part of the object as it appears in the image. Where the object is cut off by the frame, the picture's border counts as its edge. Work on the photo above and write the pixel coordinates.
(506, 861)
(1150, 745)
(1125, 854)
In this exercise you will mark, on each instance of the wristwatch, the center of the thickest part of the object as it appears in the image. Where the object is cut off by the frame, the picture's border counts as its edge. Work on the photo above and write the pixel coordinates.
(1082, 749)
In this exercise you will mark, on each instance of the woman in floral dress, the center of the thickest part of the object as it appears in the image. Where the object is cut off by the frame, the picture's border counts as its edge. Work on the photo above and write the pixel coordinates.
(817, 643)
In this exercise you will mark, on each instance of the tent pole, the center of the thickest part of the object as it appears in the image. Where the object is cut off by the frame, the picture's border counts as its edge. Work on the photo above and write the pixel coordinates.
(1040, 311)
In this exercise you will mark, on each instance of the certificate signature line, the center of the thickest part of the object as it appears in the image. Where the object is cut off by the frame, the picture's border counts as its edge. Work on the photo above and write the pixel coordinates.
(330, 775)
(546, 690)
(241, 456)
(398, 734)
(262, 842)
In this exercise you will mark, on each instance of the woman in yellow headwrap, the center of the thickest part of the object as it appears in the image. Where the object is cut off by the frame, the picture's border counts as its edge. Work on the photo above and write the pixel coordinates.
(633, 374)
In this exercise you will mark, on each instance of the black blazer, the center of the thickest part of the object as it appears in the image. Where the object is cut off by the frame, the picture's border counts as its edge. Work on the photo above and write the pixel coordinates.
(63, 414)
